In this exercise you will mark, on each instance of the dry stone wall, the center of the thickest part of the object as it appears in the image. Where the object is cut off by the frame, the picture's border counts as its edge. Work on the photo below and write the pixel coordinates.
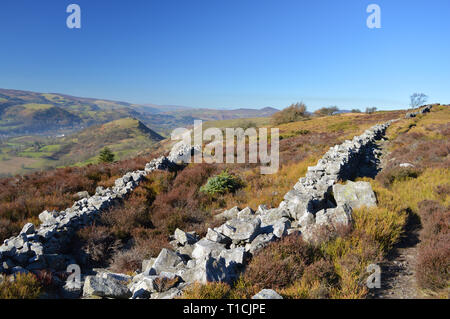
(315, 200)
(225, 250)
(45, 247)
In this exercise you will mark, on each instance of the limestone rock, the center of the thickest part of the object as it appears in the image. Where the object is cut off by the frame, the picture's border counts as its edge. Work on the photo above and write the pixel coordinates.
(217, 237)
(167, 261)
(184, 238)
(205, 247)
(105, 288)
(354, 194)
(241, 230)
(267, 294)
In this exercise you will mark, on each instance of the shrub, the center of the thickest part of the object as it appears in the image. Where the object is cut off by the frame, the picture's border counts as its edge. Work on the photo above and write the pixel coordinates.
(280, 263)
(326, 111)
(23, 286)
(221, 184)
(293, 113)
(397, 174)
(213, 290)
(106, 156)
(98, 243)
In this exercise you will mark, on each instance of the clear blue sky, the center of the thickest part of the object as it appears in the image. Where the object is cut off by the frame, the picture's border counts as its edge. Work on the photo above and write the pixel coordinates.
(229, 53)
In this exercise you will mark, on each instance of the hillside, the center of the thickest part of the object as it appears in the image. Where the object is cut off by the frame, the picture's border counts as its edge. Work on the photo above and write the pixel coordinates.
(25, 113)
(125, 137)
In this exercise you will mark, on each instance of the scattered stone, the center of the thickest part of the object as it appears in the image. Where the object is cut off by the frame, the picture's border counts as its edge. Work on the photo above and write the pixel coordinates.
(205, 247)
(167, 261)
(267, 294)
(241, 230)
(27, 229)
(105, 288)
(184, 238)
(217, 237)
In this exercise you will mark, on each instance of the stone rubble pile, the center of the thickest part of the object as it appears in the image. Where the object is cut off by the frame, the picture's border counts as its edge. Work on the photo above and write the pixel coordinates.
(316, 200)
(46, 247)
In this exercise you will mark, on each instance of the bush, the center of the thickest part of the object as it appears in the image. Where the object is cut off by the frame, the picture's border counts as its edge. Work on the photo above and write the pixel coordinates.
(213, 290)
(326, 111)
(24, 286)
(106, 156)
(280, 263)
(222, 184)
(293, 113)
(397, 174)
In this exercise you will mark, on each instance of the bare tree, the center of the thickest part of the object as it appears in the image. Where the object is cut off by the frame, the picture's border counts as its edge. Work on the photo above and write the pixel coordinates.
(417, 99)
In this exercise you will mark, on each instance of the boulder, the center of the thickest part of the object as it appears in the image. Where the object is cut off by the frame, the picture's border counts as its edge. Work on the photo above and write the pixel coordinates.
(267, 294)
(235, 256)
(228, 214)
(241, 230)
(105, 288)
(245, 213)
(341, 215)
(217, 237)
(167, 260)
(298, 204)
(147, 264)
(354, 194)
(27, 229)
(184, 238)
(47, 217)
(271, 216)
(260, 242)
(306, 220)
(205, 247)
(207, 270)
(281, 226)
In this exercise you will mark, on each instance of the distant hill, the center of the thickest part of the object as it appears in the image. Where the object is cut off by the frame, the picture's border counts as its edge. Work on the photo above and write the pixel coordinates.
(32, 113)
(23, 112)
(219, 115)
(126, 137)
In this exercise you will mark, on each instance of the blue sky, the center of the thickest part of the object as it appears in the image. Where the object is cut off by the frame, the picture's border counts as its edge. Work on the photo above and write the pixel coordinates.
(230, 53)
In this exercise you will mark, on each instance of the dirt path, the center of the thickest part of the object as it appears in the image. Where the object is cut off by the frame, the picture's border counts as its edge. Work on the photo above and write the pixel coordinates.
(398, 280)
